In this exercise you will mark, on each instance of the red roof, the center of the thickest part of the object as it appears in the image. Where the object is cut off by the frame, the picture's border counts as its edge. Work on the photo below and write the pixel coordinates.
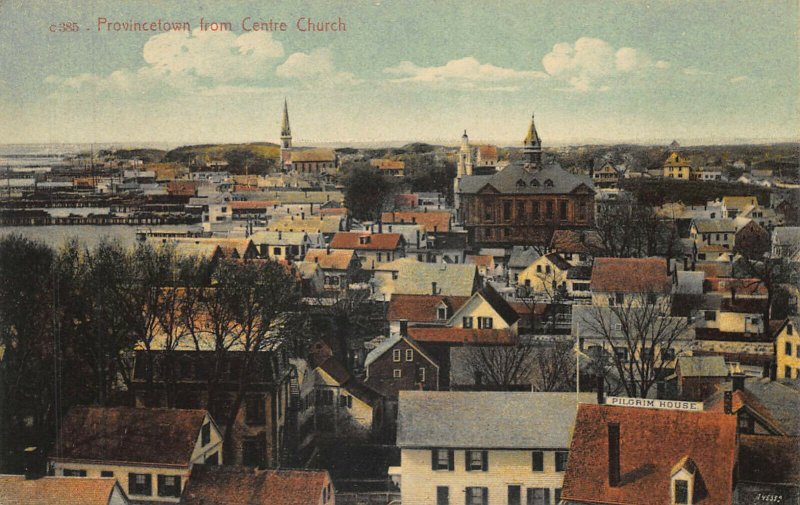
(366, 241)
(421, 308)
(652, 443)
(333, 211)
(434, 221)
(16, 490)
(630, 275)
(237, 485)
(406, 200)
(742, 286)
(448, 335)
(575, 242)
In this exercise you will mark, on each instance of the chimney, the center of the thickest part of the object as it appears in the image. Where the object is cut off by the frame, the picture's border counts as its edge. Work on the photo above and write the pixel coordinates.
(433, 288)
(613, 454)
(737, 381)
(601, 385)
(417, 239)
(328, 249)
(280, 235)
(380, 226)
(727, 400)
(302, 215)
(33, 467)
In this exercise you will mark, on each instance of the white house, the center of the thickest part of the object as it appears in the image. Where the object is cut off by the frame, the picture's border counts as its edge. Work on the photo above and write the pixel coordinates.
(150, 452)
(484, 447)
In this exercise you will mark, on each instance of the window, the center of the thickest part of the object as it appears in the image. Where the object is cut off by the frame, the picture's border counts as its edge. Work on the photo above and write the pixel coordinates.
(507, 211)
(477, 496)
(485, 323)
(787, 348)
(668, 354)
(789, 329)
(710, 315)
(442, 495)
(787, 374)
(619, 298)
(622, 354)
(538, 269)
(561, 460)
(535, 210)
(466, 322)
(106, 473)
(205, 434)
(255, 411)
(442, 459)
(276, 251)
(169, 485)
(514, 495)
(562, 209)
(558, 495)
(651, 298)
(548, 183)
(441, 313)
(78, 473)
(538, 496)
(646, 353)
(140, 483)
(409, 354)
(476, 461)
(537, 461)
(212, 460)
(681, 491)
(397, 373)
(521, 210)
(549, 209)
(253, 451)
(421, 374)
(380, 257)
(396, 356)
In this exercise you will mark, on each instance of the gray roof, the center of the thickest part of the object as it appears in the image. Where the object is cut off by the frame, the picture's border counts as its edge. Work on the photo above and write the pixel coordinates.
(715, 225)
(415, 278)
(279, 237)
(381, 348)
(703, 366)
(507, 181)
(522, 257)
(782, 400)
(786, 235)
(489, 420)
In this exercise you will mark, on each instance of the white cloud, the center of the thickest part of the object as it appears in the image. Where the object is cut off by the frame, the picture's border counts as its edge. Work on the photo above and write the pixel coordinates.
(314, 68)
(590, 63)
(467, 73)
(185, 61)
(692, 71)
(739, 78)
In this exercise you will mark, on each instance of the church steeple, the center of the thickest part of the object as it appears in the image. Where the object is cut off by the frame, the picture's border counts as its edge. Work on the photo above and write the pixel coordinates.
(532, 146)
(286, 131)
(465, 156)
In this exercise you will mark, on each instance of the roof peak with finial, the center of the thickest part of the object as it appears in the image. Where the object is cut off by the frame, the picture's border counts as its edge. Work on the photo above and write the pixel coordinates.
(532, 138)
(286, 130)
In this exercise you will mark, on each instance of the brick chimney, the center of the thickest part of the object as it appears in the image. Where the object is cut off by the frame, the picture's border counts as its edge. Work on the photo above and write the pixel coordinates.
(613, 454)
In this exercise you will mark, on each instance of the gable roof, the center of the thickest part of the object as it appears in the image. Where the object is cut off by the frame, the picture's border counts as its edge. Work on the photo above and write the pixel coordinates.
(771, 459)
(491, 420)
(239, 485)
(387, 344)
(375, 241)
(574, 241)
(17, 490)
(421, 308)
(505, 181)
(320, 154)
(330, 259)
(775, 402)
(499, 304)
(652, 443)
(339, 373)
(715, 225)
(438, 221)
(131, 435)
(279, 237)
(522, 257)
(630, 275)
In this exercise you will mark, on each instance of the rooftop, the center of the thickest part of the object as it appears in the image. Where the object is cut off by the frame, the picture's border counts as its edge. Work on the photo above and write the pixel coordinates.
(16, 490)
(630, 275)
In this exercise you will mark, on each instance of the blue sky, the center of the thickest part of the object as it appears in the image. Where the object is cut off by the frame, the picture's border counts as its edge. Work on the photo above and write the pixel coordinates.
(615, 70)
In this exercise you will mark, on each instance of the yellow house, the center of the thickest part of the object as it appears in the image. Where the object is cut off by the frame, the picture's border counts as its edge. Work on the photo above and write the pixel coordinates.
(787, 343)
(150, 452)
(508, 445)
(677, 167)
(486, 310)
(546, 275)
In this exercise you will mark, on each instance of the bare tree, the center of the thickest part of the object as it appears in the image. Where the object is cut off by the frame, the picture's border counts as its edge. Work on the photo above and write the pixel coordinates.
(553, 367)
(643, 337)
(501, 366)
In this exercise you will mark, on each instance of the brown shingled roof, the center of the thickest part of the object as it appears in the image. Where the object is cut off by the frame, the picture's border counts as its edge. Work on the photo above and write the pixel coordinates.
(575, 241)
(125, 434)
(438, 221)
(375, 241)
(238, 485)
(652, 443)
(630, 275)
(446, 335)
(16, 490)
(330, 259)
(421, 308)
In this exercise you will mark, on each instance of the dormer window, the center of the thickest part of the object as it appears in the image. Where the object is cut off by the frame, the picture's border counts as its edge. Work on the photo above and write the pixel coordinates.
(441, 313)
(548, 183)
(521, 183)
(683, 481)
(363, 240)
(681, 490)
(535, 183)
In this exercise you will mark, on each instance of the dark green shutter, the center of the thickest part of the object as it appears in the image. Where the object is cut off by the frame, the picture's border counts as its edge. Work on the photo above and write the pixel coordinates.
(451, 465)
(466, 460)
(547, 495)
(485, 456)
(433, 459)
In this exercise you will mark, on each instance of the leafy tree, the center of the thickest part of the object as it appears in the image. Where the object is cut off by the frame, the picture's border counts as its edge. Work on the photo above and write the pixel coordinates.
(367, 193)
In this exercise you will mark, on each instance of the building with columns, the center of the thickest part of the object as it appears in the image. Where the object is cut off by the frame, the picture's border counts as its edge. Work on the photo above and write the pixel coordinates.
(523, 203)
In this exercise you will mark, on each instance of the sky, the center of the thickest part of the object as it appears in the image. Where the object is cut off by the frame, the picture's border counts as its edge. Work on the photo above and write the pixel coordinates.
(612, 71)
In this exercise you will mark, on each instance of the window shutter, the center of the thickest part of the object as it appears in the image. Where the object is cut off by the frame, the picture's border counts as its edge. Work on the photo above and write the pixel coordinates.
(485, 455)
(451, 465)
(546, 495)
(486, 496)
(433, 459)
(466, 459)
